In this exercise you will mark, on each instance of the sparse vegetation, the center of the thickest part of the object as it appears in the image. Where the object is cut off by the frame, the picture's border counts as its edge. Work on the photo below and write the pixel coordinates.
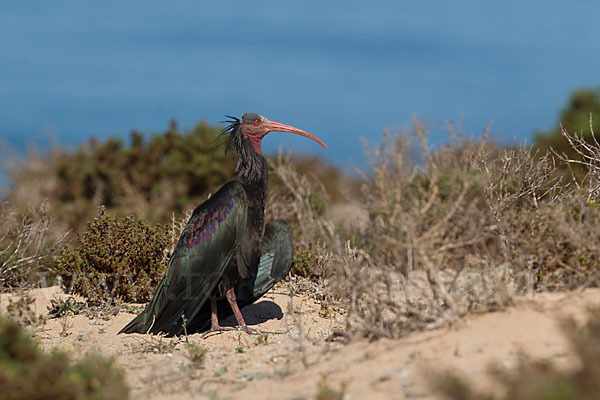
(325, 392)
(65, 327)
(464, 228)
(303, 264)
(23, 312)
(61, 307)
(196, 354)
(294, 201)
(262, 339)
(155, 344)
(28, 373)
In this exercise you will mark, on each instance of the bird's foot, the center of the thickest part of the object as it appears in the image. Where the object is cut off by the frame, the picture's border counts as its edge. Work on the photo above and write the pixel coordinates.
(216, 330)
(219, 328)
(249, 331)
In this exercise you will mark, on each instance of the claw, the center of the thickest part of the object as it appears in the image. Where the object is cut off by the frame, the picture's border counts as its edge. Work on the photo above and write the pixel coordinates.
(250, 331)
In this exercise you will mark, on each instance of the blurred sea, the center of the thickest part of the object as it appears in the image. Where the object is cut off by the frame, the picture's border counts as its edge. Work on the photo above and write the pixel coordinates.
(342, 70)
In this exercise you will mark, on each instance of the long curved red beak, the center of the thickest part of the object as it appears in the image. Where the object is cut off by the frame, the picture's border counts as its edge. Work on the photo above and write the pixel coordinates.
(278, 127)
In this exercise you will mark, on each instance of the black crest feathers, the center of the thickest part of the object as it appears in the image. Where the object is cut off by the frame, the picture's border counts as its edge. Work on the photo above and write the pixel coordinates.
(232, 133)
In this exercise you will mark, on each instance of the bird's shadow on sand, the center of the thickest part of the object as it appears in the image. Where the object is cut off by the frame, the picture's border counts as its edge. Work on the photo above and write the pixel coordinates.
(256, 314)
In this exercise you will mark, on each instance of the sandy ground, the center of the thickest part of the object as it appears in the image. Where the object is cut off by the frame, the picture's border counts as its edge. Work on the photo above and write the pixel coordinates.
(291, 356)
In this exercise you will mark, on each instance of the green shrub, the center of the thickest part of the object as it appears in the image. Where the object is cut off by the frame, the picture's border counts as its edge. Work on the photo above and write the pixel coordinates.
(574, 118)
(117, 258)
(60, 307)
(303, 264)
(152, 177)
(27, 373)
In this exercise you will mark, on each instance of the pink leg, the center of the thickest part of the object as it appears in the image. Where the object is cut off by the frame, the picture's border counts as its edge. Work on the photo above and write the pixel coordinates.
(230, 294)
(214, 317)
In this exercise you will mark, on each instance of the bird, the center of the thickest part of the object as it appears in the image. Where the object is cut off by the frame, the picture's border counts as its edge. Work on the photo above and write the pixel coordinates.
(225, 257)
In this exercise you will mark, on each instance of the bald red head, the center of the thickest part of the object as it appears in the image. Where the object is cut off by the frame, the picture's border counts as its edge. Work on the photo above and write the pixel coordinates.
(255, 127)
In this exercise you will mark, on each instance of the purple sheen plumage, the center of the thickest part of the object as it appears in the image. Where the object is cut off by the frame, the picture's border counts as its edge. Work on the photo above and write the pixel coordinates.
(207, 225)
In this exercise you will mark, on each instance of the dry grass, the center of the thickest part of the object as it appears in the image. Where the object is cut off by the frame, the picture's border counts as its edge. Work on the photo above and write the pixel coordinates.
(465, 229)
(426, 256)
(27, 247)
(302, 200)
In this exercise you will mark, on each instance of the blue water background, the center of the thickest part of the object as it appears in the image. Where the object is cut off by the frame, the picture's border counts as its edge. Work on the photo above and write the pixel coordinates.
(342, 70)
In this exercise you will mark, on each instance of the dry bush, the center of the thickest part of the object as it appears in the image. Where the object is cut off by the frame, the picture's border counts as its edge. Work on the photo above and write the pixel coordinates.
(517, 179)
(554, 247)
(425, 257)
(588, 152)
(548, 221)
(302, 201)
(27, 247)
(424, 214)
(429, 253)
(339, 186)
(537, 380)
(465, 230)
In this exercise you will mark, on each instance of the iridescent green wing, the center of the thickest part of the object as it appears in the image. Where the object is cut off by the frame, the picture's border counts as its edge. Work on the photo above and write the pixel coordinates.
(274, 264)
(206, 247)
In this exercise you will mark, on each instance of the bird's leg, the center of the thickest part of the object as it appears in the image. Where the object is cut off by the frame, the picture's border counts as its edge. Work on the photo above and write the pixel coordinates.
(214, 317)
(230, 294)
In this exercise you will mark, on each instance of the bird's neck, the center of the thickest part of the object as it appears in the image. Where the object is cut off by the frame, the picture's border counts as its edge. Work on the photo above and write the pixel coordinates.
(252, 173)
(251, 169)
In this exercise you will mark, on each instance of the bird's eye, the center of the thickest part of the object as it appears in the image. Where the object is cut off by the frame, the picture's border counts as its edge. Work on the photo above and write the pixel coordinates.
(256, 122)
